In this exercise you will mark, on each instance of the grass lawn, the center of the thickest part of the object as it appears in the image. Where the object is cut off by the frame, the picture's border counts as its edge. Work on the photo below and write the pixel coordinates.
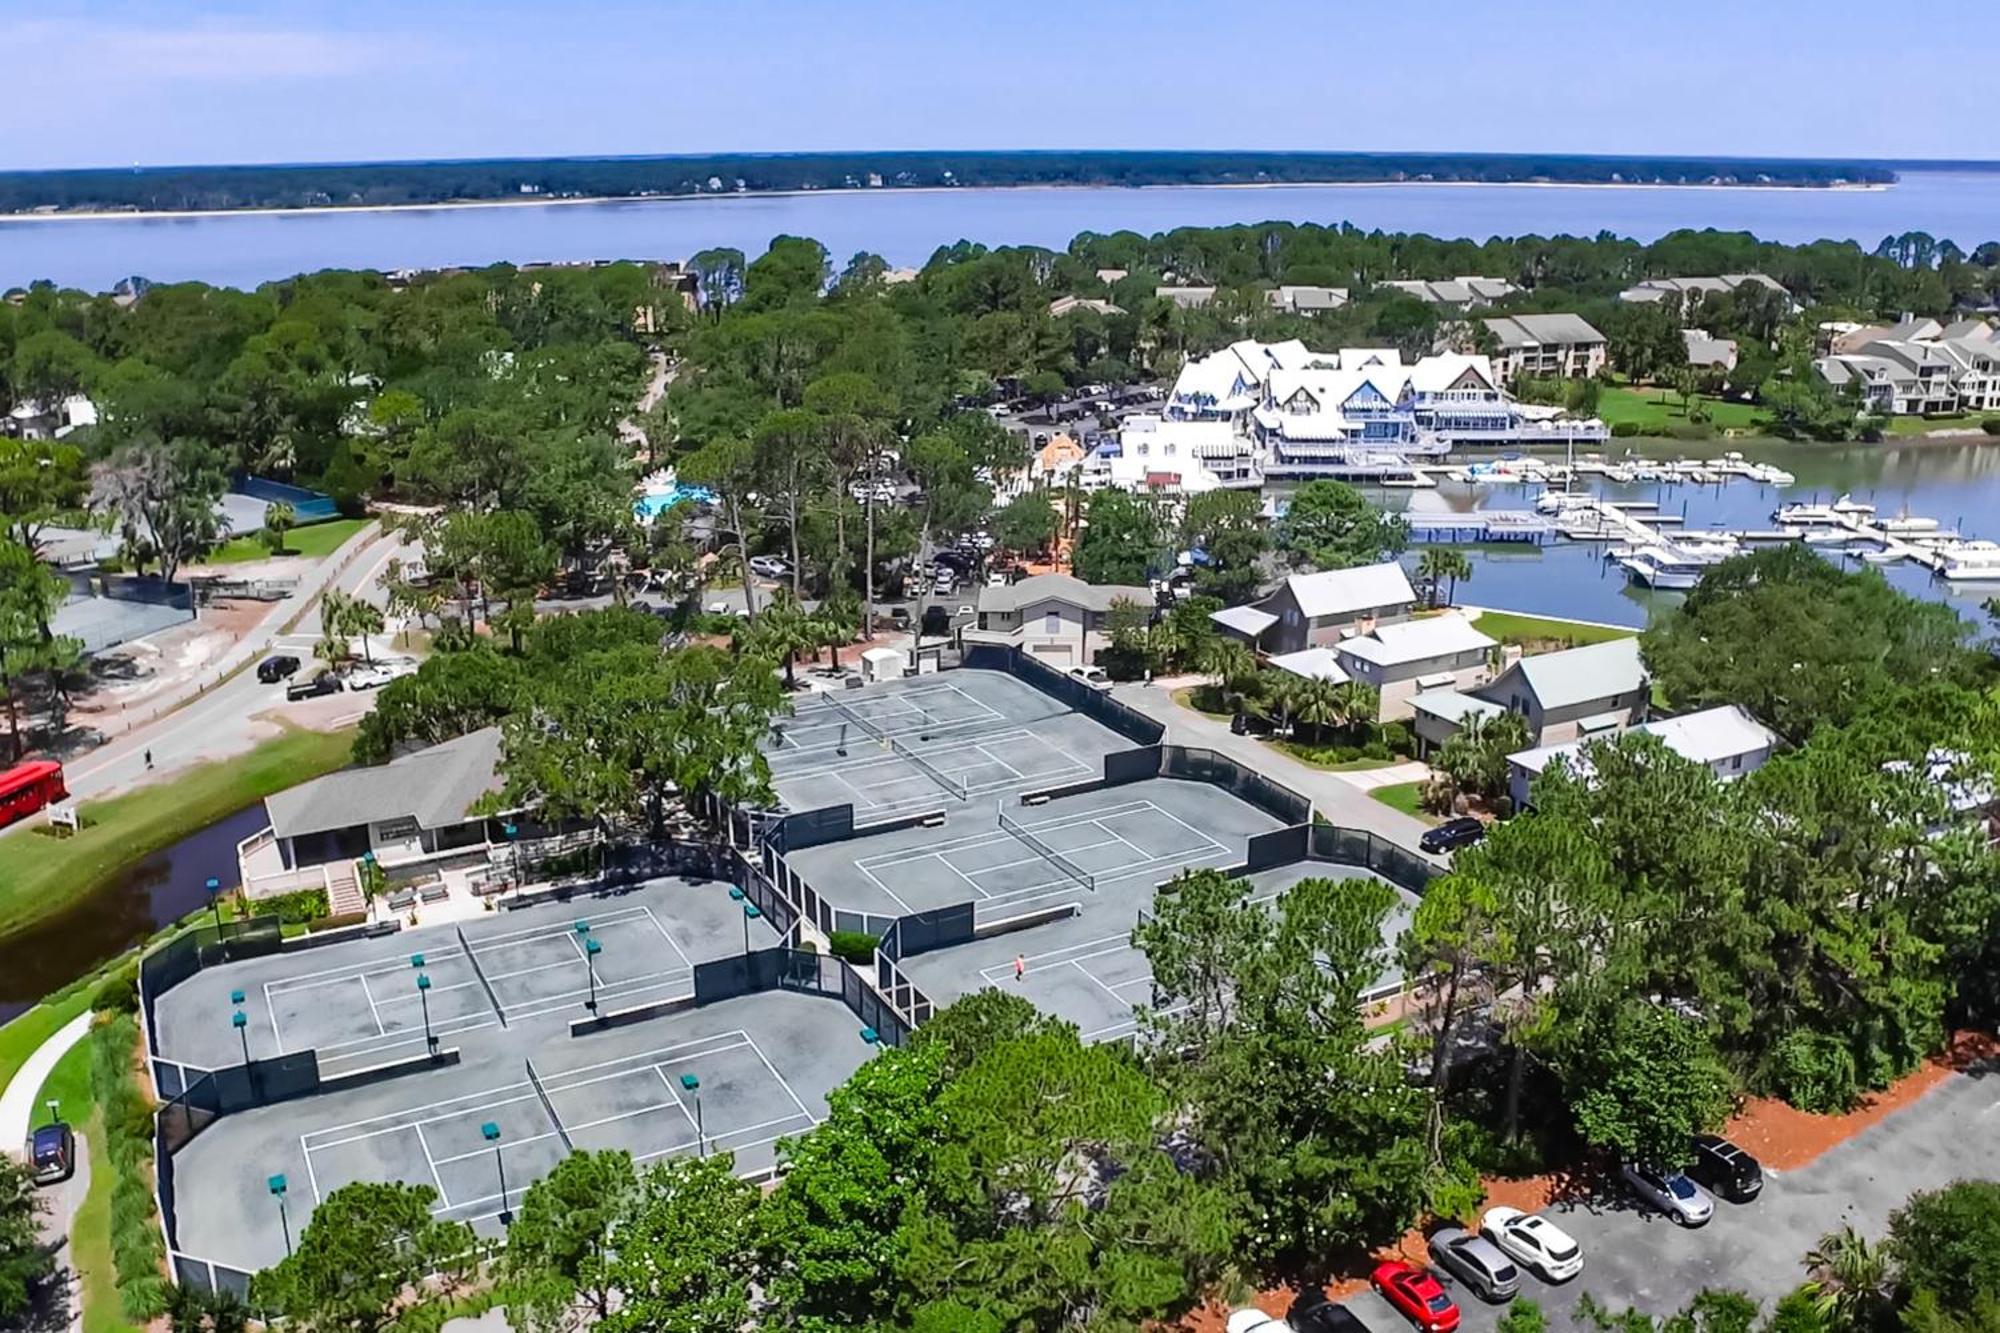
(41, 874)
(22, 1037)
(1657, 410)
(1403, 796)
(69, 1085)
(1968, 422)
(317, 541)
(1535, 631)
(90, 1238)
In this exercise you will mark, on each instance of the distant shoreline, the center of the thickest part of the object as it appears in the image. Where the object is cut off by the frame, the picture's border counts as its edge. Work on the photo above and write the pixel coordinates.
(315, 210)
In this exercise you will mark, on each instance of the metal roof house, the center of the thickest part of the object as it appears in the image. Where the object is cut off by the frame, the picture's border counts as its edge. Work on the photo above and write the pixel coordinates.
(1402, 659)
(1057, 617)
(1599, 689)
(1318, 610)
(1726, 739)
(1546, 346)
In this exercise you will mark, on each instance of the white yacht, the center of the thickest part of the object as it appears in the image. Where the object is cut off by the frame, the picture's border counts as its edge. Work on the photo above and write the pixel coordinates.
(1801, 512)
(1666, 568)
(1905, 525)
(1845, 505)
(1975, 560)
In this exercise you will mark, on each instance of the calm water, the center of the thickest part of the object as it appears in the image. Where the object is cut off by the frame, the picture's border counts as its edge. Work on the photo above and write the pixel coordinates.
(161, 889)
(905, 227)
(1957, 485)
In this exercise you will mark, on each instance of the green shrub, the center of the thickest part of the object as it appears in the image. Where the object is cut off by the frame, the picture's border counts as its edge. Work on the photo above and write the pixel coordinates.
(1991, 425)
(852, 946)
(296, 909)
(118, 993)
(1815, 1072)
(137, 1247)
(1399, 738)
(336, 922)
(1626, 429)
(1690, 430)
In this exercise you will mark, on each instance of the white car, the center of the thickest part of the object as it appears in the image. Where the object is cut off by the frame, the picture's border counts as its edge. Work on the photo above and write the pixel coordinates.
(769, 567)
(375, 677)
(1091, 676)
(1254, 1321)
(1533, 1241)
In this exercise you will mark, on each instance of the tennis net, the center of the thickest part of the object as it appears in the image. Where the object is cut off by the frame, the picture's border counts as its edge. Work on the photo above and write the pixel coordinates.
(480, 972)
(549, 1106)
(865, 728)
(955, 786)
(1049, 854)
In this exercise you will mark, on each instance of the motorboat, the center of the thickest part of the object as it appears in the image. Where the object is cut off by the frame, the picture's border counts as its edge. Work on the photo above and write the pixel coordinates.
(1714, 545)
(1846, 505)
(1826, 537)
(1904, 524)
(1883, 557)
(1800, 512)
(1974, 560)
(1667, 568)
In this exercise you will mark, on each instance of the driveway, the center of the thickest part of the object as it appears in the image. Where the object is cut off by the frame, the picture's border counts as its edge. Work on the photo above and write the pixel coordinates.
(1336, 797)
(1640, 1260)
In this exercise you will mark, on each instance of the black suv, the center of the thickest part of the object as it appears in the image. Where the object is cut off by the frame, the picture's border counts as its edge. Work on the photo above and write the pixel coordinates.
(1453, 834)
(324, 683)
(274, 669)
(1726, 1168)
(52, 1152)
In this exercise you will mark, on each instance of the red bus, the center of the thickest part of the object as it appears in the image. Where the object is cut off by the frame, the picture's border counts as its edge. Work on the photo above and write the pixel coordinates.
(27, 787)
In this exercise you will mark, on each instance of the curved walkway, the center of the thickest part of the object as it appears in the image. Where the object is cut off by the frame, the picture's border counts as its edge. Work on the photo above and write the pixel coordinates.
(17, 1101)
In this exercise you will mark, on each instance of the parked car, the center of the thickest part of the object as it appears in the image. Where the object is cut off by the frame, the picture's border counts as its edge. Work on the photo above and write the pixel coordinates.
(937, 621)
(1452, 835)
(1533, 1242)
(1254, 1321)
(958, 562)
(769, 566)
(1312, 1312)
(274, 669)
(1417, 1295)
(52, 1153)
(323, 683)
(1476, 1262)
(1091, 676)
(1726, 1168)
(376, 676)
(1671, 1192)
(900, 615)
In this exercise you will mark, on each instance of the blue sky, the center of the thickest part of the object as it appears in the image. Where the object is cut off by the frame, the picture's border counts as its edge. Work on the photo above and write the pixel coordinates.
(116, 82)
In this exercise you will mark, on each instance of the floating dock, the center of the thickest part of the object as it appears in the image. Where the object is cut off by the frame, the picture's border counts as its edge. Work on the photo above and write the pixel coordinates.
(1490, 525)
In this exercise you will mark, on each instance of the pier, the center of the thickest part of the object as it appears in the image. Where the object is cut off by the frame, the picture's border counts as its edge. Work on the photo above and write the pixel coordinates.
(1492, 525)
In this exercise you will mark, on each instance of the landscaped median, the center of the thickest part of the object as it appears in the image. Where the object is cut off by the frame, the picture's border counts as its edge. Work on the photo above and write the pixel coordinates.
(315, 541)
(41, 874)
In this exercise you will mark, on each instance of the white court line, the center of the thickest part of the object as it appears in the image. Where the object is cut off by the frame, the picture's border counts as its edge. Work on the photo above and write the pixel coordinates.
(715, 1140)
(783, 1082)
(442, 1027)
(381, 1028)
(271, 1008)
(1095, 949)
(667, 935)
(312, 1177)
(487, 1149)
(443, 1194)
(471, 1098)
(1189, 827)
(638, 985)
(647, 1059)
(306, 980)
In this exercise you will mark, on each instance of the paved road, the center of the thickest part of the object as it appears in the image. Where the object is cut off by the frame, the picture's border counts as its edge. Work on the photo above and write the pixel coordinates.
(225, 720)
(1640, 1260)
(1336, 799)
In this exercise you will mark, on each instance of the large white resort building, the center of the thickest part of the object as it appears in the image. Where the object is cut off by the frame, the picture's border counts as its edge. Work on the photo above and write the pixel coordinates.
(1280, 410)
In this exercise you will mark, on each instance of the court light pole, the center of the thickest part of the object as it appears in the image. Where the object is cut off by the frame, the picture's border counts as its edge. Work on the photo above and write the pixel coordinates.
(491, 1133)
(55, 1109)
(424, 998)
(277, 1187)
(692, 1086)
(214, 887)
(750, 913)
(590, 949)
(241, 1022)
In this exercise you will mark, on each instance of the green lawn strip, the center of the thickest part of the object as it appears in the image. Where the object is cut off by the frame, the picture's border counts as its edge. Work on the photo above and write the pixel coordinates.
(1967, 423)
(1660, 409)
(68, 1085)
(40, 874)
(90, 1238)
(23, 1036)
(1403, 796)
(1513, 627)
(316, 541)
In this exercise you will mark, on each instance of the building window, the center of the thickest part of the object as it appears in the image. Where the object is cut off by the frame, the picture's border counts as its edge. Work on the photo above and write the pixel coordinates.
(1052, 623)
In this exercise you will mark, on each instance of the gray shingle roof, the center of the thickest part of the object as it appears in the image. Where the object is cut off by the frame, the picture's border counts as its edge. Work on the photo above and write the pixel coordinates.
(1063, 588)
(436, 787)
(1542, 330)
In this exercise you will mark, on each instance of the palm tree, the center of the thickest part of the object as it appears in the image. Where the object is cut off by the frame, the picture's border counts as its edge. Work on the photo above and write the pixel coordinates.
(363, 618)
(784, 632)
(1849, 1279)
(833, 625)
(1442, 562)
(279, 518)
(1281, 690)
(1355, 704)
(1318, 704)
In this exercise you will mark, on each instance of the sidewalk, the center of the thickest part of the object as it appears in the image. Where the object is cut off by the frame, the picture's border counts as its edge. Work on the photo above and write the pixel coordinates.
(17, 1100)
(1335, 797)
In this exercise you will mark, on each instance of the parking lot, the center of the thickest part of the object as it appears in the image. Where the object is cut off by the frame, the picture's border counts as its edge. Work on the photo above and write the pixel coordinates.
(1636, 1259)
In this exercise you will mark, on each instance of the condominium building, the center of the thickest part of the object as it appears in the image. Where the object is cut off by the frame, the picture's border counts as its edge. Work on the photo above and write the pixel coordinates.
(1546, 347)
(1918, 367)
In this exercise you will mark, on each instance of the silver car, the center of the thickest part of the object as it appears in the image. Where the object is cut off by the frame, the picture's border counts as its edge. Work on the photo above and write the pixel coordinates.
(1672, 1193)
(1477, 1262)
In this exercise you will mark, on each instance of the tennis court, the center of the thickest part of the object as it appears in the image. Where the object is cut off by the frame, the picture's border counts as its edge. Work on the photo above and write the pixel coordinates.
(882, 775)
(1060, 855)
(644, 1104)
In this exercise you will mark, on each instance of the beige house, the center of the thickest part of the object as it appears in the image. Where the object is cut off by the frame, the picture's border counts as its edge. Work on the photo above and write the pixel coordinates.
(1546, 347)
(1405, 658)
(1319, 610)
(1597, 690)
(1060, 619)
